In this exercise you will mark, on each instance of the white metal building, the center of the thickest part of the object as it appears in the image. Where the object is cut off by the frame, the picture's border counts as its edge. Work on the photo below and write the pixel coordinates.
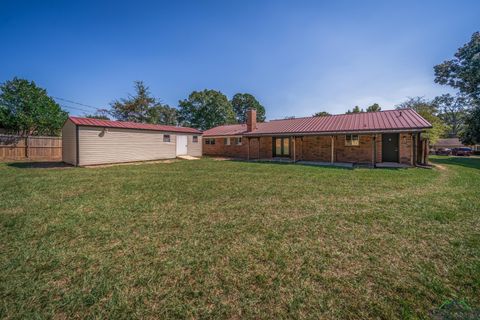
(88, 141)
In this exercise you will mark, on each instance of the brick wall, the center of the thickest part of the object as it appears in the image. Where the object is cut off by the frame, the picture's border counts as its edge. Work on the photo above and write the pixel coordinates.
(254, 148)
(379, 147)
(406, 148)
(319, 148)
(266, 147)
(223, 150)
(363, 153)
(316, 148)
(298, 148)
(260, 148)
(313, 148)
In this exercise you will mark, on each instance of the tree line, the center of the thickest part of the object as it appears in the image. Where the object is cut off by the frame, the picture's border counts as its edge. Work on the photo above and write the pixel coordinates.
(27, 109)
(202, 109)
(456, 115)
(447, 113)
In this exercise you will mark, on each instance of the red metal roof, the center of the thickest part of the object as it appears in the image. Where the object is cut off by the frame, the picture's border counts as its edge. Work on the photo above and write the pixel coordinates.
(130, 125)
(406, 119)
(228, 130)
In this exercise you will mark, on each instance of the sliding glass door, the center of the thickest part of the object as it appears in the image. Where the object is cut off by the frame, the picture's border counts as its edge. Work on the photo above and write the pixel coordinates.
(281, 147)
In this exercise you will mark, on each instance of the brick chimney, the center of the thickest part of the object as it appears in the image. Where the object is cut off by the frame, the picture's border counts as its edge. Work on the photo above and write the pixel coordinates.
(251, 120)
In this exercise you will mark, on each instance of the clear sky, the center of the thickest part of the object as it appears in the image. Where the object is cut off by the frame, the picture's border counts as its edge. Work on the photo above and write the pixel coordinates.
(296, 57)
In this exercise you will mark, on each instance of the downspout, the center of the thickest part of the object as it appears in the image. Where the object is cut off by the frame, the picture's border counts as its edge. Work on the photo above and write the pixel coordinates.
(374, 150)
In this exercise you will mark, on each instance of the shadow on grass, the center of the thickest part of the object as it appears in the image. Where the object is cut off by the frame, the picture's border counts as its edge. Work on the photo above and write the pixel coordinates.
(284, 163)
(469, 162)
(40, 165)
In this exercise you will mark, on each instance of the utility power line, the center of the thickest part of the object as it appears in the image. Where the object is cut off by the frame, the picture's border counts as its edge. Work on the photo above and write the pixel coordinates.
(75, 108)
(77, 103)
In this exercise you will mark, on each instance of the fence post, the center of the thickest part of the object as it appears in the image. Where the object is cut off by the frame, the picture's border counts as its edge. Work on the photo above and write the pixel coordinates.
(26, 147)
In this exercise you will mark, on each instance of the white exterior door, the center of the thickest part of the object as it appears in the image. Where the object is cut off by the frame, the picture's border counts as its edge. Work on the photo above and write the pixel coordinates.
(181, 145)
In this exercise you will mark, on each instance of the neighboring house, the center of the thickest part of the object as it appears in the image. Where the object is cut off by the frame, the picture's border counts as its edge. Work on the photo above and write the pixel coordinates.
(449, 143)
(370, 138)
(92, 141)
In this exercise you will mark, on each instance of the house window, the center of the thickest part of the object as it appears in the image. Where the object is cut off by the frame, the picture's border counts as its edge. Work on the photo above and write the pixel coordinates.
(195, 139)
(238, 141)
(351, 140)
(166, 138)
(210, 141)
(226, 141)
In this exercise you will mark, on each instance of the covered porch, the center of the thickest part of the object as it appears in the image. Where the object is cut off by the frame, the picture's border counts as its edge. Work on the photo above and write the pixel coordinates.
(382, 149)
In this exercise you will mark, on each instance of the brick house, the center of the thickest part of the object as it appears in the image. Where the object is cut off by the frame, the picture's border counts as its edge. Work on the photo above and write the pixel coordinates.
(364, 138)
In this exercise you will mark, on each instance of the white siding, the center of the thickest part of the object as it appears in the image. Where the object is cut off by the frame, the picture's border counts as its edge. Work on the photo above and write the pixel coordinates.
(194, 149)
(123, 145)
(69, 142)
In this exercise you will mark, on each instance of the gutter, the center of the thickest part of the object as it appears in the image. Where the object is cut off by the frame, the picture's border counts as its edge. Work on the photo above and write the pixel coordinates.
(299, 134)
(334, 133)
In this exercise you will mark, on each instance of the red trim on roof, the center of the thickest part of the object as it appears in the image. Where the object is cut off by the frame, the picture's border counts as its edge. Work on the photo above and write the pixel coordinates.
(89, 122)
(390, 120)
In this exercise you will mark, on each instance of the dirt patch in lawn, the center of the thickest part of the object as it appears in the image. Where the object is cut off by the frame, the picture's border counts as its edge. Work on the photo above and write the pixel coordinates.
(137, 163)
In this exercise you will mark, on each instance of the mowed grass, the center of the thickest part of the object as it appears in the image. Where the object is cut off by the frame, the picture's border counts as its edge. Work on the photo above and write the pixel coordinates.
(222, 239)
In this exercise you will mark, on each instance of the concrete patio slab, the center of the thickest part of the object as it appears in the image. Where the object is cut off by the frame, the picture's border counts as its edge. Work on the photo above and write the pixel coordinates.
(188, 157)
(391, 165)
(327, 164)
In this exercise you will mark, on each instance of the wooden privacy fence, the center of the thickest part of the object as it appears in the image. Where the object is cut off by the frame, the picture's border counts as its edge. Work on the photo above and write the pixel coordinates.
(30, 148)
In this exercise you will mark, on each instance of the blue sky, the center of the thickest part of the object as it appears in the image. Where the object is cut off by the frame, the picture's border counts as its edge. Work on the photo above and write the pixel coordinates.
(296, 57)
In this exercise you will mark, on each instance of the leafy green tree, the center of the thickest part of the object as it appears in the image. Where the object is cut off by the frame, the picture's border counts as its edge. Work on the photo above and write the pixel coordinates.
(142, 107)
(96, 116)
(355, 109)
(374, 108)
(163, 114)
(452, 110)
(136, 107)
(429, 111)
(241, 102)
(470, 134)
(206, 109)
(463, 71)
(321, 114)
(101, 114)
(27, 109)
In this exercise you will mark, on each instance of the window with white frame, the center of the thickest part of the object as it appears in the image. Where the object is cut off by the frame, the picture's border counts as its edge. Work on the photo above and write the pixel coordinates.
(226, 141)
(352, 140)
(195, 139)
(238, 141)
(210, 141)
(166, 138)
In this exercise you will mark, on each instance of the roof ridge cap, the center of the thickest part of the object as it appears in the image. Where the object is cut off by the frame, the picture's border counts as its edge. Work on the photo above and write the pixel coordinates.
(337, 115)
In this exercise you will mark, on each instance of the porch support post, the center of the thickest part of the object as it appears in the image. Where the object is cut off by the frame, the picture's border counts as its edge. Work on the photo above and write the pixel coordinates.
(414, 146)
(427, 143)
(248, 148)
(294, 155)
(374, 158)
(332, 159)
(423, 151)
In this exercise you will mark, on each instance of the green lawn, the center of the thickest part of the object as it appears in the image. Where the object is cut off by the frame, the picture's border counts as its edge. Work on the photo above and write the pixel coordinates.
(222, 239)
